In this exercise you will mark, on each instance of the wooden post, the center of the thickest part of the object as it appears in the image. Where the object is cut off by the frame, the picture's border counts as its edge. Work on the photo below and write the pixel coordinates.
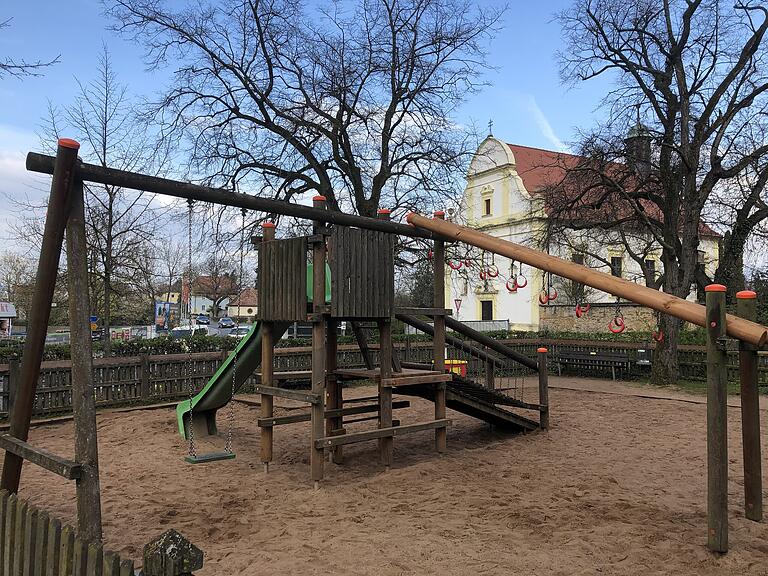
(386, 444)
(717, 421)
(318, 345)
(144, 376)
(267, 370)
(746, 307)
(441, 438)
(13, 382)
(83, 402)
(333, 394)
(543, 389)
(490, 376)
(40, 308)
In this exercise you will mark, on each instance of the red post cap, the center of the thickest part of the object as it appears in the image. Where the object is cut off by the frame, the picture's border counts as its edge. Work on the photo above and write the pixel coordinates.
(318, 198)
(746, 295)
(439, 214)
(384, 211)
(542, 350)
(268, 225)
(715, 288)
(69, 143)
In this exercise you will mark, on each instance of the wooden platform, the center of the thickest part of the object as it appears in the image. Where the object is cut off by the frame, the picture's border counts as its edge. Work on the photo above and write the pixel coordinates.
(408, 377)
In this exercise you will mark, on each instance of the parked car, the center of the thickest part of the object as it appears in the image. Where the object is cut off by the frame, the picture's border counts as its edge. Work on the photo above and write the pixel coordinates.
(185, 331)
(239, 332)
(226, 322)
(203, 319)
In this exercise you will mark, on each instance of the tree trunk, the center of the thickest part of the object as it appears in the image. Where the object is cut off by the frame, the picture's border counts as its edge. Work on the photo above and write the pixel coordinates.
(730, 271)
(107, 314)
(666, 368)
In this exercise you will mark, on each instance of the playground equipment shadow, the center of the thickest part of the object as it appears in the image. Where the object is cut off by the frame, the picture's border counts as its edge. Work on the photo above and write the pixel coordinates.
(615, 486)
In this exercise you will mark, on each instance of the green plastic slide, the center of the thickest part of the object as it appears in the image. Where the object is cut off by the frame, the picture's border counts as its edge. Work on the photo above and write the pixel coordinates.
(218, 391)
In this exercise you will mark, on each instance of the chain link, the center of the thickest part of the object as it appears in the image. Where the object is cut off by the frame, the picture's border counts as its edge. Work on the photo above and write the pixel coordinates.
(228, 443)
(189, 370)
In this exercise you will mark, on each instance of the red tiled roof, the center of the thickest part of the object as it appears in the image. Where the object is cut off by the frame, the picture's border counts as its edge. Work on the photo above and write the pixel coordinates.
(248, 297)
(542, 170)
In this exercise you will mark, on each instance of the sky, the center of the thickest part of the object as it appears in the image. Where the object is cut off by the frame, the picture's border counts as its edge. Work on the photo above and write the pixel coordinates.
(525, 99)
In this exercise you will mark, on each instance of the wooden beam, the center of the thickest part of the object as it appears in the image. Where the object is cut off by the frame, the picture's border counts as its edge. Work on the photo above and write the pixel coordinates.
(362, 343)
(142, 182)
(355, 437)
(334, 413)
(746, 307)
(63, 467)
(83, 402)
(434, 378)
(494, 345)
(415, 311)
(63, 168)
(316, 455)
(692, 312)
(309, 397)
(717, 421)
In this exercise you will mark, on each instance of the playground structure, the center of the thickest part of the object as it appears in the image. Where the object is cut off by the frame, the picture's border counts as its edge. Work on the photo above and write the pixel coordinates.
(358, 252)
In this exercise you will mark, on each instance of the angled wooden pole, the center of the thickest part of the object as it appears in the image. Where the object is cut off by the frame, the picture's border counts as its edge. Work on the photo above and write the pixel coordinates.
(746, 307)
(83, 400)
(692, 312)
(717, 421)
(267, 370)
(40, 309)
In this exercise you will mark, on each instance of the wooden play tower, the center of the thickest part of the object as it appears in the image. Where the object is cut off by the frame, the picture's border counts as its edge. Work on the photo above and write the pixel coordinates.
(361, 267)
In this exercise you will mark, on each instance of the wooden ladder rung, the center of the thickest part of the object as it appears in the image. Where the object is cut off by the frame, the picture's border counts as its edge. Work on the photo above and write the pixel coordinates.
(331, 441)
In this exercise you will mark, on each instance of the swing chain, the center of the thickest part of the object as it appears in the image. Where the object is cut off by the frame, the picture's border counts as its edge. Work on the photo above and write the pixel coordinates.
(188, 371)
(230, 431)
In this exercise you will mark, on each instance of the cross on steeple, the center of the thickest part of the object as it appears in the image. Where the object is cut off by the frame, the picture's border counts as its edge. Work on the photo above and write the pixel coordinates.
(490, 127)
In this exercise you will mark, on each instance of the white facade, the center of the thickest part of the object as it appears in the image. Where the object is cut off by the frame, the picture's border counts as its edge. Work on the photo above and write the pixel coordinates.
(497, 202)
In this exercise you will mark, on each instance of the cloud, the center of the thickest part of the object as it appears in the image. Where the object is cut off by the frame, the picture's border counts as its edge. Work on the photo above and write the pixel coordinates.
(544, 125)
(16, 184)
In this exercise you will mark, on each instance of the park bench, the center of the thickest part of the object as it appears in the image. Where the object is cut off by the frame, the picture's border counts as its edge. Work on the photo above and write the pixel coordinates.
(594, 360)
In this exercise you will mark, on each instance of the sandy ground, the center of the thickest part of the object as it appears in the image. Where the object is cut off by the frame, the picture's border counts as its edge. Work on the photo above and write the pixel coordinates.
(617, 486)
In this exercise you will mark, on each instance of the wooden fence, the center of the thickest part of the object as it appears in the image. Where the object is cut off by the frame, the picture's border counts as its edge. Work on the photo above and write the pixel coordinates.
(149, 379)
(35, 544)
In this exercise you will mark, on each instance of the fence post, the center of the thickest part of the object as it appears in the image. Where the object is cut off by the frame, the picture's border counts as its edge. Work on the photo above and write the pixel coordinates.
(170, 554)
(144, 376)
(543, 389)
(717, 420)
(746, 307)
(14, 373)
(490, 375)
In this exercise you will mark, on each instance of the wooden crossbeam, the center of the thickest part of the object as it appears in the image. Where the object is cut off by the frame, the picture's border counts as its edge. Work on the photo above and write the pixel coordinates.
(310, 397)
(333, 413)
(64, 467)
(413, 311)
(355, 437)
(289, 375)
(421, 379)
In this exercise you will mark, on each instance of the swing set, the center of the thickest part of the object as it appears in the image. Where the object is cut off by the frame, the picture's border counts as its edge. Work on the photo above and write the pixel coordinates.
(359, 253)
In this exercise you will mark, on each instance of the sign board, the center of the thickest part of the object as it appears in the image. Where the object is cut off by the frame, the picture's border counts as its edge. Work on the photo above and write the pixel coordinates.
(7, 310)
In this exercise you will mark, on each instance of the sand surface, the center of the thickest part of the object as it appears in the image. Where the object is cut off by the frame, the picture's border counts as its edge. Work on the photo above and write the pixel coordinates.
(617, 486)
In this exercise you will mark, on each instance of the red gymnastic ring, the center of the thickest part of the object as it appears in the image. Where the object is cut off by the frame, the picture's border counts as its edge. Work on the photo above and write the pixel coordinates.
(523, 283)
(456, 266)
(552, 294)
(492, 271)
(513, 287)
(617, 325)
(543, 298)
(658, 335)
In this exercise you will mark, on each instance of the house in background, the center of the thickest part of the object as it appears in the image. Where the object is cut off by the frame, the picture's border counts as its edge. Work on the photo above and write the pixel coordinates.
(509, 195)
(244, 306)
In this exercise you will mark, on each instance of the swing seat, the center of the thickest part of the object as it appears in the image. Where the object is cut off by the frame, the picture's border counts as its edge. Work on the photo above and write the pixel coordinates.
(209, 457)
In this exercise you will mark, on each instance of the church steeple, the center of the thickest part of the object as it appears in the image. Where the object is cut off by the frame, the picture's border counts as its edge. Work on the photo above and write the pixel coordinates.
(637, 147)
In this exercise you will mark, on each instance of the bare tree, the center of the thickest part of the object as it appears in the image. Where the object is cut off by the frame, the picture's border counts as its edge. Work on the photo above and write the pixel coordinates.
(17, 275)
(21, 68)
(120, 223)
(696, 70)
(352, 101)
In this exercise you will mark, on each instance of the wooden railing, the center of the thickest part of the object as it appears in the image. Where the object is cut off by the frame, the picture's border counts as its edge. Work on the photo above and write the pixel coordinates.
(150, 379)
